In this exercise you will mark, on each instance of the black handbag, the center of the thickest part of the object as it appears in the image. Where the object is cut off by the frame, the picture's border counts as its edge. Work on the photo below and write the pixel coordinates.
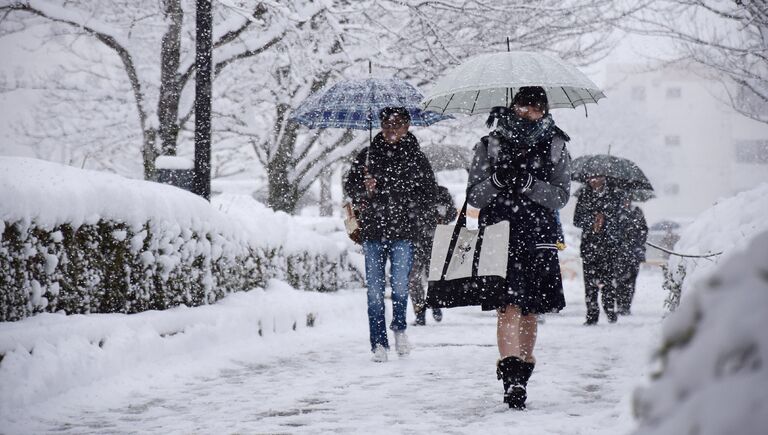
(467, 266)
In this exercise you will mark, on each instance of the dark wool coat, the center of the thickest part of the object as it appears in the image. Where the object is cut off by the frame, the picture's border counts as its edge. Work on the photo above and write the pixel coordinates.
(635, 231)
(606, 245)
(442, 212)
(534, 283)
(405, 186)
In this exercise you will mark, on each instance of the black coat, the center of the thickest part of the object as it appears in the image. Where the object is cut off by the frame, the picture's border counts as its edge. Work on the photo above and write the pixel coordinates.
(533, 281)
(405, 186)
(442, 212)
(635, 231)
(605, 245)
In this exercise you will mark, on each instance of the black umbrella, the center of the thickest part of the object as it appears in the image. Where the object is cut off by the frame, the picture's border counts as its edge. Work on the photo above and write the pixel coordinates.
(625, 172)
(641, 195)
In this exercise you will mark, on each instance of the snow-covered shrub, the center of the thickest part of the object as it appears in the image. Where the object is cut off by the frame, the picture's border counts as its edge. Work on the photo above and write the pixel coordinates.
(85, 242)
(727, 225)
(713, 359)
(673, 283)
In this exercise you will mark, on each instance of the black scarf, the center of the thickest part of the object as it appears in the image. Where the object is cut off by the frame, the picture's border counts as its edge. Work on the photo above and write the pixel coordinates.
(517, 129)
(380, 149)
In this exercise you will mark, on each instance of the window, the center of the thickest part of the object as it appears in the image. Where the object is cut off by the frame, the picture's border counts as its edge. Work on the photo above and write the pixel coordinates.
(672, 140)
(638, 93)
(674, 93)
(752, 151)
(671, 189)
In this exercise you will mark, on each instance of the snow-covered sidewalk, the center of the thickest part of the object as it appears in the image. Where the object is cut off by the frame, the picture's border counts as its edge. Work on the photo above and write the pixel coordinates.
(321, 379)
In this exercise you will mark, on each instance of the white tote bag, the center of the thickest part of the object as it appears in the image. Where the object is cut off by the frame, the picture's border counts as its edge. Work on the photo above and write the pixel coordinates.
(466, 264)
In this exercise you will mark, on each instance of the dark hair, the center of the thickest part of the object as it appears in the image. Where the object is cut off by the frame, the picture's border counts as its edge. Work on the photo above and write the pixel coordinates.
(534, 96)
(390, 111)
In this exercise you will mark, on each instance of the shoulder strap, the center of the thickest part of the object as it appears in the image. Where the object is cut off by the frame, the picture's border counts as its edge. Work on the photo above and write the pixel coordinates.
(461, 222)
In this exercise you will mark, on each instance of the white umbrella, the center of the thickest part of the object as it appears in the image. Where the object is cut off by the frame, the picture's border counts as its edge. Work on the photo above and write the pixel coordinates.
(492, 79)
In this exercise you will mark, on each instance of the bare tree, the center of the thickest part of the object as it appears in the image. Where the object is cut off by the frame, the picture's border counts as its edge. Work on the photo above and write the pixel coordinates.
(729, 38)
(438, 35)
(256, 109)
(268, 59)
(153, 44)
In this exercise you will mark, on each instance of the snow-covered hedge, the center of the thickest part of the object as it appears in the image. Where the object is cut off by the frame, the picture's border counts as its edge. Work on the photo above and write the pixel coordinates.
(84, 242)
(713, 360)
(724, 227)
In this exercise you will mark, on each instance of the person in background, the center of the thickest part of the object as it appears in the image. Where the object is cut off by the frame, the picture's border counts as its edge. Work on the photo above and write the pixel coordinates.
(521, 173)
(598, 212)
(632, 254)
(388, 183)
(443, 212)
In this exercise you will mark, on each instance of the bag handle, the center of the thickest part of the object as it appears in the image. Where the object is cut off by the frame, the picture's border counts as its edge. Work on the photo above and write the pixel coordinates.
(461, 222)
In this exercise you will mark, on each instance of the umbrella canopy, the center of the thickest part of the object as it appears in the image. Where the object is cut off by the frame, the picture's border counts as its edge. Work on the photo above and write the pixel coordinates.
(641, 195)
(625, 171)
(356, 104)
(492, 79)
(447, 157)
(634, 195)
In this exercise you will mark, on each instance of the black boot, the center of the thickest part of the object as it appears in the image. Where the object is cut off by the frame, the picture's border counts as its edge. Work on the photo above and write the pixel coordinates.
(421, 318)
(514, 373)
(437, 314)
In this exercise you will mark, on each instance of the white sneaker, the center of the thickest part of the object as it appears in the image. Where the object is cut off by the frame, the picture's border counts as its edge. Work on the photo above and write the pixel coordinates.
(379, 354)
(402, 346)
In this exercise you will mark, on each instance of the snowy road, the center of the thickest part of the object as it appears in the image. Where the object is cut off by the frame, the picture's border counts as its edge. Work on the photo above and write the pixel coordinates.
(320, 380)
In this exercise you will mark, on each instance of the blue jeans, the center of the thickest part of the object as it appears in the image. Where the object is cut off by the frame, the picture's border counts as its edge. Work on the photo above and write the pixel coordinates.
(400, 254)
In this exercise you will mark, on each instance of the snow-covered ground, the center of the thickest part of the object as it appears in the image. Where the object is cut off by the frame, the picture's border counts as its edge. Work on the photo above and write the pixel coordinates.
(208, 370)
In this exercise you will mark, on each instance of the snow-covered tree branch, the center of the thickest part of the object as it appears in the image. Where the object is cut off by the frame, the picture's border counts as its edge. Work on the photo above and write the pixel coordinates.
(268, 58)
(729, 38)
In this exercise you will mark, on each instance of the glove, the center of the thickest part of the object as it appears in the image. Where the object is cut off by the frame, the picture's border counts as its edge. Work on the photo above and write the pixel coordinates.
(507, 175)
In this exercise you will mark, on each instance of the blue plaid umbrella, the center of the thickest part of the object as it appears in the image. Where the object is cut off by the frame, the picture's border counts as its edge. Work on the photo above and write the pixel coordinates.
(356, 104)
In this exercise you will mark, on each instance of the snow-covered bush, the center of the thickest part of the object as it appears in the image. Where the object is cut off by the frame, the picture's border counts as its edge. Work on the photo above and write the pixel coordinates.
(729, 224)
(84, 242)
(713, 359)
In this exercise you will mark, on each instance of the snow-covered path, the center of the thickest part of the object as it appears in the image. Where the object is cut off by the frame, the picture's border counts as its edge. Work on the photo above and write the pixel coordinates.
(320, 380)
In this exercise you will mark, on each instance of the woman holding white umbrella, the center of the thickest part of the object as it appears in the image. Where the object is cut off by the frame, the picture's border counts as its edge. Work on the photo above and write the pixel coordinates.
(520, 173)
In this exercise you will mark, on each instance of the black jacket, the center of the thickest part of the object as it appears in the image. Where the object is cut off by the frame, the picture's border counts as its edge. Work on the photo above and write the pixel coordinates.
(442, 212)
(635, 235)
(607, 243)
(532, 212)
(405, 186)
(533, 281)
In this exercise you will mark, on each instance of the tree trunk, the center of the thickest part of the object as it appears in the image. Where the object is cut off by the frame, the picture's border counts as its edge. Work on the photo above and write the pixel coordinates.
(149, 154)
(283, 190)
(326, 202)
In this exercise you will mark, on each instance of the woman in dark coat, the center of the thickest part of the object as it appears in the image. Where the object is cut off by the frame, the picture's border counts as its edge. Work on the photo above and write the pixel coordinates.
(389, 183)
(521, 173)
(599, 212)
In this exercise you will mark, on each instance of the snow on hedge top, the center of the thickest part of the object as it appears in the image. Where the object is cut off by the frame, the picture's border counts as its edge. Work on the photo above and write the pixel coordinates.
(715, 376)
(51, 194)
(729, 224)
(275, 228)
